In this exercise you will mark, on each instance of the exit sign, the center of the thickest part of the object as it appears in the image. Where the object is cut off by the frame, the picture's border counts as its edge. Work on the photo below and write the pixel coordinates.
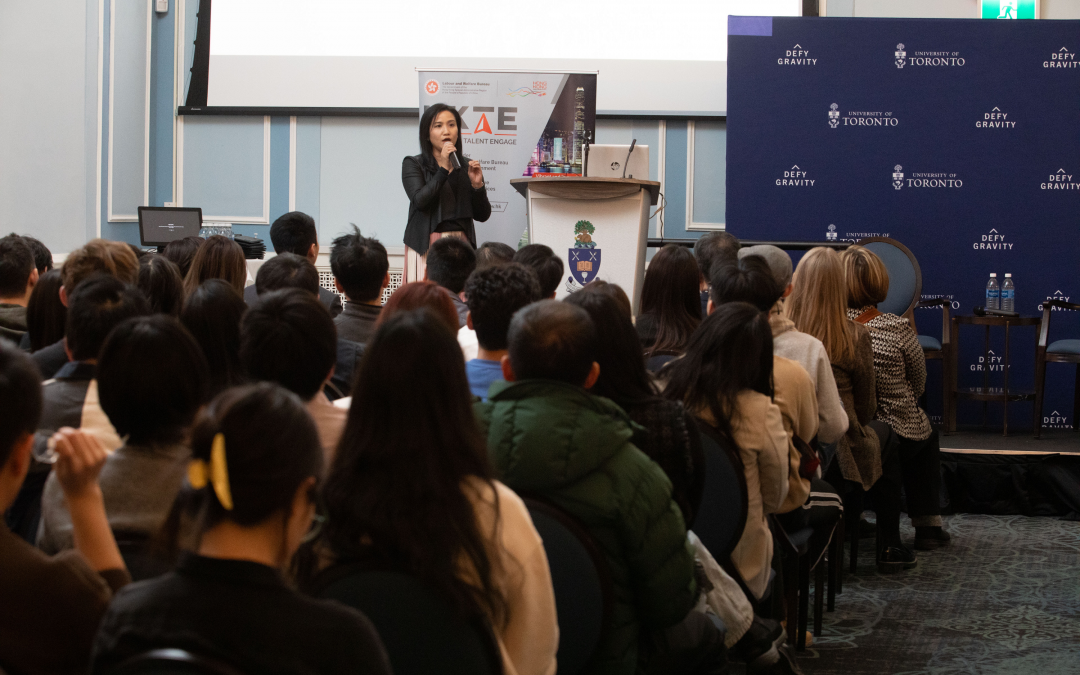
(1010, 9)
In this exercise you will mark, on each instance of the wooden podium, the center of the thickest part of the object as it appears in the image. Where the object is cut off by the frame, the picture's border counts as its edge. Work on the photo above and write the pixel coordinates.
(598, 226)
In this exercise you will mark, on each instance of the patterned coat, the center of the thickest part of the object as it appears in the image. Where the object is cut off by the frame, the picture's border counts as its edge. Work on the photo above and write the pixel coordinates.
(900, 374)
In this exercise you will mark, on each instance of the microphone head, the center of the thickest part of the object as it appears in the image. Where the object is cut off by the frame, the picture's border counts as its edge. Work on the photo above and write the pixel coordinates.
(979, 311)
(633, 142)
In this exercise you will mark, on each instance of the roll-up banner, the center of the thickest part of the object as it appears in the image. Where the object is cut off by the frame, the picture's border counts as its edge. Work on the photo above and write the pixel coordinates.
(516, 124)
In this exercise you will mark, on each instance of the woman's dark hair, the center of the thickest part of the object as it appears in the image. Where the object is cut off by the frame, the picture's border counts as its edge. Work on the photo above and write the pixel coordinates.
(395, 492)
(161, 283)
(45, 314)
(420, 294)
(213, 313)
(182, 252)
(271, 448)
(731, 351)
(428, 119)
(623, 377)
(218, 258)
(671, 297)
(152, 378)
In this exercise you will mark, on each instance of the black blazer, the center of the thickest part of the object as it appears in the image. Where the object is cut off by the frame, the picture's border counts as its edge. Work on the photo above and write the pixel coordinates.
(423, 179)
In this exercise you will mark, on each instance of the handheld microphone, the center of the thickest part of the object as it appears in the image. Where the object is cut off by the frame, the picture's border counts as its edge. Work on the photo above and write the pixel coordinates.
(979, 311)
(454, 161)
(632, 144)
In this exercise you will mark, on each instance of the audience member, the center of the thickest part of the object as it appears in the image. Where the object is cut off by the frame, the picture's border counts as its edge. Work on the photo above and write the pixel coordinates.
(212, 314)
(421, 294)
(51, 606)
(43, 259)
(725, 379)
(713, 248)
(71, 398)
(493, 253)
(361, 272)
(250, 503)
(289, 270)
(547, 266)
(152, 378)
(548, 435)
(161, 283)
(288, 337)
(18, 275)
(493, 295)
(45, 313)
(218, 258)
(806, 350)
(666, 431)
(450, 261)
(900, 379)
(670, 301)
(140, 253)
(818, 306)
(295, 232)
(182, 252)
(411, 489)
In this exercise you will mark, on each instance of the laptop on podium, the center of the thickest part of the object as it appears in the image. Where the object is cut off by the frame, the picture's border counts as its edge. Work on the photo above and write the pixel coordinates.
(606, 161)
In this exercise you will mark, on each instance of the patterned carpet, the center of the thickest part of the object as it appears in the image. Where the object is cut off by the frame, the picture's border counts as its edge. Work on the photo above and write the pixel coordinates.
(1003, 599)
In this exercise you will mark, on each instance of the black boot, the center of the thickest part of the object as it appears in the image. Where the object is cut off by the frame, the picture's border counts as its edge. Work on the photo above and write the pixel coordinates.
(896, 558)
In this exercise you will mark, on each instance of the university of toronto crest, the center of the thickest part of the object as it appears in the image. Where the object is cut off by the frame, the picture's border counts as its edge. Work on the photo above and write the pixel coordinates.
(584, 257)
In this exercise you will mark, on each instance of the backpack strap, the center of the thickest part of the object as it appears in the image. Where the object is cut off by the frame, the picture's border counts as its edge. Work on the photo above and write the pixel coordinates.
(868, 316)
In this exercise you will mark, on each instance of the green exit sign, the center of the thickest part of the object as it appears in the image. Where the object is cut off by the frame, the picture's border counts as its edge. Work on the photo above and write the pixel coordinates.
(1010, 9)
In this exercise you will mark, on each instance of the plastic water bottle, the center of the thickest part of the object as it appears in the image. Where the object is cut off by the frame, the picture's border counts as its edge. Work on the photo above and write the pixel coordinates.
(1008, 294)
(993, 293)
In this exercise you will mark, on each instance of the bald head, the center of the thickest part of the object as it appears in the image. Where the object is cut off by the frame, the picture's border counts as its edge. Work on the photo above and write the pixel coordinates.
(552, 340)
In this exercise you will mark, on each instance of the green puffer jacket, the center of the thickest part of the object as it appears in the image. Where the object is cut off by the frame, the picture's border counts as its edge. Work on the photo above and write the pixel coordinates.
(559, 442)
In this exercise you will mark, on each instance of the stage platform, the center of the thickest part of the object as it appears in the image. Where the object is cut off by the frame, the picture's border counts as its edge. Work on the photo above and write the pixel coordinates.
(985, 472)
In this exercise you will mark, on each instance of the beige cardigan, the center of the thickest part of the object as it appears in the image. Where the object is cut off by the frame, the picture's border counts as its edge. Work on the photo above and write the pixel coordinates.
(794, 395)
(763, 447)
(531, 637)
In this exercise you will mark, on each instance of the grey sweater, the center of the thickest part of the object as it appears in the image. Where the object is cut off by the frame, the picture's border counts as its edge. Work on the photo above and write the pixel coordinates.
(140, 485)
(809, 353)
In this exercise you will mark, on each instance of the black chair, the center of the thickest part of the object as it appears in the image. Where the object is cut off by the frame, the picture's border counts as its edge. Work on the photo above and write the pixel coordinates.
(172, 662)
(581, 580)
(1058, 351)
(419, 630)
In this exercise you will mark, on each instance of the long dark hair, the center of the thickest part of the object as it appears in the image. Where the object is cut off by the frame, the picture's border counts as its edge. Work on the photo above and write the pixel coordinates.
(623, 377)
(426, 120)
(731, 351)
(395, 489)
(160, 281)
(218, 258)
(671, 297)
(45, 314)
(213, 313)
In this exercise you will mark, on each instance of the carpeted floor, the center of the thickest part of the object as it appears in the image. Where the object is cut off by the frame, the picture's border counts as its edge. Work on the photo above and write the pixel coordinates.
(1003, 599)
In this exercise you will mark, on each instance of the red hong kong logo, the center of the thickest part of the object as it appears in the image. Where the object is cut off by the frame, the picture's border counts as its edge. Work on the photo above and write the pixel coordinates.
(432, 87)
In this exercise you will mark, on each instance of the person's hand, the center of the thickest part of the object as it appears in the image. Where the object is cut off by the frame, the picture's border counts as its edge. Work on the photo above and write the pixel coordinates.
(476, 174)
(79, 461)
(447, 149)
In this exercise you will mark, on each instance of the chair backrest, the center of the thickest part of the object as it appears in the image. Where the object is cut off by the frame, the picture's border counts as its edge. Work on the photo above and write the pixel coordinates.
(655, 360)
(720, 520)
(905, 275)
(419, 630)
(140, 558)
(581, 580)
(171, 662)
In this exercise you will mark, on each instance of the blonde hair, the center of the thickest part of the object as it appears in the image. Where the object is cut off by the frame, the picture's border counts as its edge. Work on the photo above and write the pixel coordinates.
(867, 278)
(818, 300)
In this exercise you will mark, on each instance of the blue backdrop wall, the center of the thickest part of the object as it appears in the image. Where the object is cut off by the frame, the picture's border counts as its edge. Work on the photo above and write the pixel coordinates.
(959, 138)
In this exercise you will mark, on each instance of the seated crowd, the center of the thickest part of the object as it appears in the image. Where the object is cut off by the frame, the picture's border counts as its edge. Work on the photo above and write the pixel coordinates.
(232, 447)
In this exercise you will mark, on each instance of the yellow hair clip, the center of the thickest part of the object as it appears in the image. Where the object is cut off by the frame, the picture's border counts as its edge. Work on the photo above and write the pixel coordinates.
(216, 472)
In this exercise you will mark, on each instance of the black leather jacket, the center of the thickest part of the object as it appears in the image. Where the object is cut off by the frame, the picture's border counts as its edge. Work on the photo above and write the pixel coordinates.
(423, 180)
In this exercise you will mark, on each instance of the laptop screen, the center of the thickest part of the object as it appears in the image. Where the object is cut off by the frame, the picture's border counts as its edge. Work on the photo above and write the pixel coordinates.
(158, 225)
